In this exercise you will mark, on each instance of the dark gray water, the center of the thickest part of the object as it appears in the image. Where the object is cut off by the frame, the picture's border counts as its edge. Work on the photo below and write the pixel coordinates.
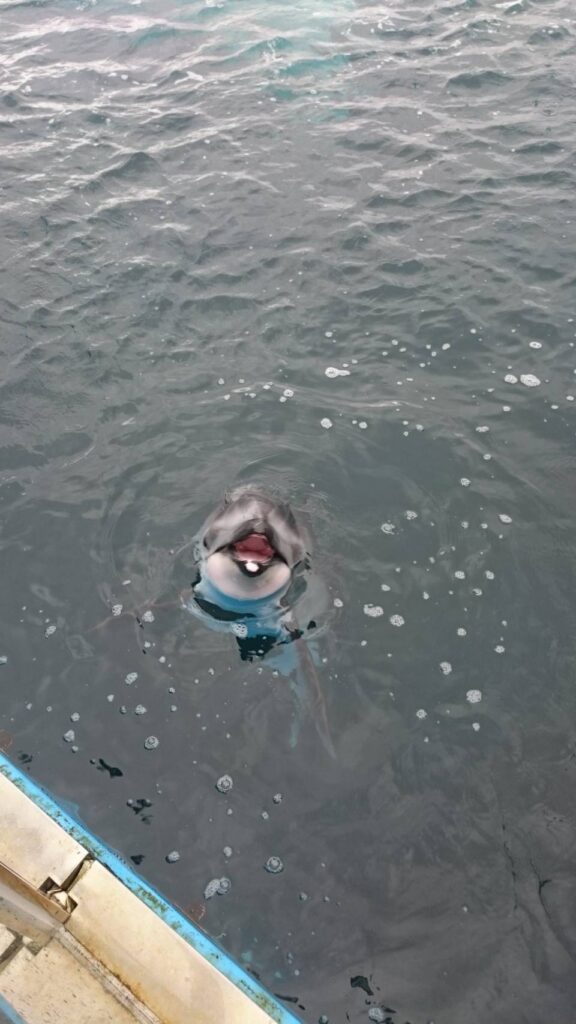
(205, 206)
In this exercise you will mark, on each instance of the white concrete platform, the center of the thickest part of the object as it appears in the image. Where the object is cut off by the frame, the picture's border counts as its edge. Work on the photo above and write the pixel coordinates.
(108, 957)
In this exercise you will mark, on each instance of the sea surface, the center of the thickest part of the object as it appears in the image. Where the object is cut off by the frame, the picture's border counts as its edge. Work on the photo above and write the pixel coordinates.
(206, 210)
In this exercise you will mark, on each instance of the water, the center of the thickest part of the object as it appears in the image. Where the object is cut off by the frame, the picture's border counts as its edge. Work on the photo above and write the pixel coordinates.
(204, 207)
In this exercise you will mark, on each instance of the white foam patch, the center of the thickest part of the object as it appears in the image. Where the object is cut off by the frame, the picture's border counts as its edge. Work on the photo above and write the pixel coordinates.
(326, 423)
(530, 380)
(510, 379)
(333, 371)
(396, 620)
(474, 696)
(504, 518)
(445, 667)
(388, 528)
(373, 610)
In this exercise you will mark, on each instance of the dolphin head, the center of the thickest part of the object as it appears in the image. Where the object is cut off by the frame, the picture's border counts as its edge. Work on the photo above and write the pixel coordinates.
(251, 544)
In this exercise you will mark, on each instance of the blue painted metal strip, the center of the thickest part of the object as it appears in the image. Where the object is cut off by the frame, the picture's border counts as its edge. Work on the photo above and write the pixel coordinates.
(8, 1013)
(185, 928)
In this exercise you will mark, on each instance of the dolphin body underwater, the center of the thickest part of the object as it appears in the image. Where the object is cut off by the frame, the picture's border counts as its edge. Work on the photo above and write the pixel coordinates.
(252, 580)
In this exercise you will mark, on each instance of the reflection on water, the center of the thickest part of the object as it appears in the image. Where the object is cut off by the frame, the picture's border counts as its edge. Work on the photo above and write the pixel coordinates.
(328, 247)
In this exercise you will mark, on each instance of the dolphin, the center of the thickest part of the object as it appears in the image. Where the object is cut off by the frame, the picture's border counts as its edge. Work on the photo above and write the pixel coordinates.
(252, 571)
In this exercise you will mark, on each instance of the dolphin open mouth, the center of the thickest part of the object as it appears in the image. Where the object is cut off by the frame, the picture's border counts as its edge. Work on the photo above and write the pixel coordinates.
(256, 547)
(254, 550)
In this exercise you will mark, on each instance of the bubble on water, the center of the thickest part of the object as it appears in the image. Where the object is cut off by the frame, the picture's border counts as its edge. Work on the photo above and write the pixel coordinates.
(499, 649)
(510, 379)
(239, 629)
(227, 851)
(421, 713)
(374, 611)
(49, 630)
(464, 481)
(131, 678)
(110, 698)
(489, 574)
(140, 709)
(385, 588)
(504, 518)
(74, 717)
(323, 1019)
(333, 371)
(409, 514)
(388, 528)
(265, 816)
(460, 574)
(375, 1014)
(461, 631)
(483, 429)
(277, 798)
(363, 425)
(274, 865)
(535, 344)
(148, 616)
(303, 897)
(445, 667)
(530, 380)
(326, 423)
(338, 602)
(3, 659)
(396, 620)
(425, 595)
(117, 609)
(288, 393)
(69, 736)
(224, 784)
(212, 888)
(173, 856)
(151, 742)
(476, 726)
(473, 696)
(123, 709)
